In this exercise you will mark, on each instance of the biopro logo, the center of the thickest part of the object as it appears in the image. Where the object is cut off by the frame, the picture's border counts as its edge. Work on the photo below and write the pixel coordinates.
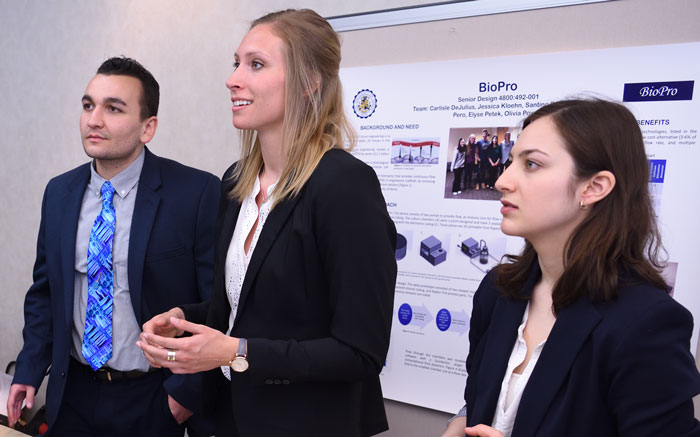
(654, 92)
(658, 91)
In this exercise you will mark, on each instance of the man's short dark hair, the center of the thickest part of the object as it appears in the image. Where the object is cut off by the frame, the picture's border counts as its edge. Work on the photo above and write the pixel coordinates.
(123, 66)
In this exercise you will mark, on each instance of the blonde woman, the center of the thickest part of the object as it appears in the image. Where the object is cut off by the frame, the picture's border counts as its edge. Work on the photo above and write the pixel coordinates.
(298, 326)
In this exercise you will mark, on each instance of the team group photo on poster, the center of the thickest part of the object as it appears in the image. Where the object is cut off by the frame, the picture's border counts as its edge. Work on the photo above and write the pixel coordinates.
(478, 159)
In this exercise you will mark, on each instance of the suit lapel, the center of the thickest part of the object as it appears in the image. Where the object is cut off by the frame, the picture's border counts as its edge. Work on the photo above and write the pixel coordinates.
(572, 328)
(72, 203)
(273, 225)
(145, 209)
(220, 309)
(228, 225)
(502, 333)
(508, 314)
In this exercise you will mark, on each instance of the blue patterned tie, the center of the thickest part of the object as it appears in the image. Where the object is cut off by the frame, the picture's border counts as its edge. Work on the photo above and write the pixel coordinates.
(97, 339)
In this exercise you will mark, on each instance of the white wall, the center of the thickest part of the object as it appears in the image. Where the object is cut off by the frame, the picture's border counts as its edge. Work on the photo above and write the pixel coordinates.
(50, 49)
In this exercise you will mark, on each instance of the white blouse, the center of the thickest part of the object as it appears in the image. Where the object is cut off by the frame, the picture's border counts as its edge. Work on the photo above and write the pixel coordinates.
(237, 259)
(513, 384)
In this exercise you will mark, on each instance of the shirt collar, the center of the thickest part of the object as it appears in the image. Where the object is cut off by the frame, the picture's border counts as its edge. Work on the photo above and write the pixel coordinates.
(123, 182)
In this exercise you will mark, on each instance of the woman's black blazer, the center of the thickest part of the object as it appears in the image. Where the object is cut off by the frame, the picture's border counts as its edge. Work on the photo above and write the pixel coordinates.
(621, 368)
(316, 307)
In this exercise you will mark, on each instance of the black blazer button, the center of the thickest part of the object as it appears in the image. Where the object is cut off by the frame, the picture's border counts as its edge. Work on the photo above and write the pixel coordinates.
(268, 381)
(278, 381)
(285, 381)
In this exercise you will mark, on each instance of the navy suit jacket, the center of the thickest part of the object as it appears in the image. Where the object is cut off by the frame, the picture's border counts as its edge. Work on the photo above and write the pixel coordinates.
(170, 262)
(607, 369)
(316, 307)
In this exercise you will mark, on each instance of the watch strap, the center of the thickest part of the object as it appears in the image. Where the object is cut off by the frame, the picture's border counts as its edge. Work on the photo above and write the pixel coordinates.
(242, 348)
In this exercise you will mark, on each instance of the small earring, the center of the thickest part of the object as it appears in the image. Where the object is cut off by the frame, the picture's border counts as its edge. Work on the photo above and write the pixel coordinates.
(582, 205)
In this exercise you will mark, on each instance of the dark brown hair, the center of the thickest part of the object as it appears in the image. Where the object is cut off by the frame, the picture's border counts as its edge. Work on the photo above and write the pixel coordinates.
(618, 241)
(460, 147)
(123, 66)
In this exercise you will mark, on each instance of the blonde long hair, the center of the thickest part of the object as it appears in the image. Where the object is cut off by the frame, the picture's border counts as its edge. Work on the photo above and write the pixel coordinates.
(314, 121)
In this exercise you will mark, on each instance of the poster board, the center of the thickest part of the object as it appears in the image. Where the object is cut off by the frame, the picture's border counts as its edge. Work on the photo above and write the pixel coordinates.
(396, 107)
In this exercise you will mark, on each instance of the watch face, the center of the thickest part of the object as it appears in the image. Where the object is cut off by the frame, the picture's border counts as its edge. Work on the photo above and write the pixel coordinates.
(239, 364)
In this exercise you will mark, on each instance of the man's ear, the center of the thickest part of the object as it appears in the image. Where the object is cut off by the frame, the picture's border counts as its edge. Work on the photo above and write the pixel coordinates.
(598, 187)
(149, 129)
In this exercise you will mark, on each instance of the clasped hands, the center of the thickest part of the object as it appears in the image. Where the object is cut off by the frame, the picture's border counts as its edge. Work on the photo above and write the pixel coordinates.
(206, 349)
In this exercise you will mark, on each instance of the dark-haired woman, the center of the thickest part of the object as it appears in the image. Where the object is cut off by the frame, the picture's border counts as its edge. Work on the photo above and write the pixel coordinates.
(457, 166)
(297, 329)
(577, 335)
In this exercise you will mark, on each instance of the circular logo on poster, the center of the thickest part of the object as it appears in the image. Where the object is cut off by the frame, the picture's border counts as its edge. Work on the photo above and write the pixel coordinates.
(364, 103)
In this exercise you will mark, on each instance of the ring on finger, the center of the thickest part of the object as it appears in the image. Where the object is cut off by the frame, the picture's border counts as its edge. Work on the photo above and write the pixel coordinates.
(171, 355)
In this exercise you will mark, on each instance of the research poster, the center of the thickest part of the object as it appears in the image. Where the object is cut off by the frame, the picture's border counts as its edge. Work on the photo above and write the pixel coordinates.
(409, 119)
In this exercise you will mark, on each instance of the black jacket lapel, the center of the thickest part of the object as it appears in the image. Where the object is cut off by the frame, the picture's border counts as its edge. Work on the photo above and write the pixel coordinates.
(572, 328)
(273, 225)
(499, 344)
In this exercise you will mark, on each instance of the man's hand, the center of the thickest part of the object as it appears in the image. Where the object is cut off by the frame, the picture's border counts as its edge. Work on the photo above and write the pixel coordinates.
(18, 392)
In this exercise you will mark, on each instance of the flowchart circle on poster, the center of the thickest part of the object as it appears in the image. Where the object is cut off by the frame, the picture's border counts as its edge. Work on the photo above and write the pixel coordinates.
(443, 319)
(405, 314)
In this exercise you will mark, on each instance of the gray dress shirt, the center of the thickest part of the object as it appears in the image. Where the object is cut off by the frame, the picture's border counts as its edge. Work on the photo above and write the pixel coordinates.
(125, 328)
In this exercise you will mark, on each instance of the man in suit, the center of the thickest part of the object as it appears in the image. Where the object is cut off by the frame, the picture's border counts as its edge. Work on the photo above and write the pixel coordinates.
(121, 239)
